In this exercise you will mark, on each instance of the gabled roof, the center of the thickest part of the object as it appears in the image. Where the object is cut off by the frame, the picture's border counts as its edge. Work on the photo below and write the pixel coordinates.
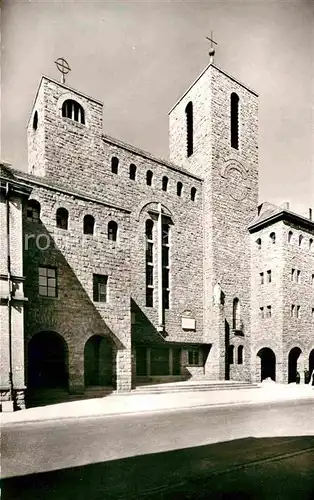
(270, 214)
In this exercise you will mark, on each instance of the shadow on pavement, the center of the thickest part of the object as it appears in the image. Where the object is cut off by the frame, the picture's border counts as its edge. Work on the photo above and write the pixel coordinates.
(246, 469)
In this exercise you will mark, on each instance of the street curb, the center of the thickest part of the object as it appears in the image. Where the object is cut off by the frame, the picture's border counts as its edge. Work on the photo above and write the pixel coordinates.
(156, 410)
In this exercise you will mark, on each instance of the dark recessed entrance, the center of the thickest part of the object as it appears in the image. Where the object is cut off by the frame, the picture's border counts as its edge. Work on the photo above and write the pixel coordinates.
(268, 363)
(293, 364)
(47, 361)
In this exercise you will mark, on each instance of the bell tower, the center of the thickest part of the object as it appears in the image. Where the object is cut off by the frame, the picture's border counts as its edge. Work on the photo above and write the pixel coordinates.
(214, 134)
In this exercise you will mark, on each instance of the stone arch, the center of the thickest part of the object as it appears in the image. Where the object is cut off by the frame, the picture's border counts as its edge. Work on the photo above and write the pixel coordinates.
(293, 362)
(266, 361)
(71, 96)
(99, 366)
(47, 360)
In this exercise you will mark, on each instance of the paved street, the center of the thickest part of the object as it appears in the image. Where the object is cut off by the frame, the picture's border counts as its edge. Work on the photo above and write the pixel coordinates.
(252, 451)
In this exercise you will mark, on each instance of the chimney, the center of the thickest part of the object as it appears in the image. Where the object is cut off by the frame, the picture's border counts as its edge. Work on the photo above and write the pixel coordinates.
(285, 205)
(310, 214)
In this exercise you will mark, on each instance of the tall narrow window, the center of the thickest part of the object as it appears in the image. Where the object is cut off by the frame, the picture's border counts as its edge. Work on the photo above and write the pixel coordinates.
(165, 183)
(132, 172)
(300, 240)
(290, 236)
(165, 265)
(88, 224)
(310, 243)
(179, 188)
(231, 354)
(269, 276)
(62, 216)
(236, 314)
(114, 165)
(259, 243)
(149, 177)
(100, 291)
(189, 128)
(234, 120)
(112, 230)
(149, 233)
(193, 193)
(240, 355)
(35, 120)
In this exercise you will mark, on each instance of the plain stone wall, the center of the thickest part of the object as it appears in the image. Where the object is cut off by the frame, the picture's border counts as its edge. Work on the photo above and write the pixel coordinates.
(230, 198)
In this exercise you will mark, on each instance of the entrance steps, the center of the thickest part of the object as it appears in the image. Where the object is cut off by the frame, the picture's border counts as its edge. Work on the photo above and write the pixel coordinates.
(43, 397)
(192, 386)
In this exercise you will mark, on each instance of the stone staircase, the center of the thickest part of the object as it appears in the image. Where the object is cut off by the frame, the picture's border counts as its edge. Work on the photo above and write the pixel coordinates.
(192, 386)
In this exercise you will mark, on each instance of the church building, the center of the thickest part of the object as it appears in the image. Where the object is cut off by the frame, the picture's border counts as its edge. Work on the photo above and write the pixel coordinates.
(119, 268)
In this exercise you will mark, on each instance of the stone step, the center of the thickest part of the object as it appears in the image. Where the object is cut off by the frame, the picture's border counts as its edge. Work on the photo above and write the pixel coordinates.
(202, 387)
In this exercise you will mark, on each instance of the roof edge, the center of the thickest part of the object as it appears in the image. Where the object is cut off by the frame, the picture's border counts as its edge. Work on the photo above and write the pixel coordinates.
(282, 215)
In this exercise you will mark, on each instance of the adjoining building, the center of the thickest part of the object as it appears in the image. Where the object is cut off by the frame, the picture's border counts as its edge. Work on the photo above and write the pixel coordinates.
(120, 268)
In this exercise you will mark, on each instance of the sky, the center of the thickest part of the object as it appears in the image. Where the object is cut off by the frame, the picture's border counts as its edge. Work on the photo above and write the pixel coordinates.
(139, 57)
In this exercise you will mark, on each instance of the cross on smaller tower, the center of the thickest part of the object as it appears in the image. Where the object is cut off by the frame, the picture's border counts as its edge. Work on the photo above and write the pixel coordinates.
(212, 48)
(63, 67)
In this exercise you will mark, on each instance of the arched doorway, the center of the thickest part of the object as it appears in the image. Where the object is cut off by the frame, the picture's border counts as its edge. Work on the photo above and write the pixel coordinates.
(47, 361)
(311, 362)
(293, 357)
(268, 363)
(98, 361)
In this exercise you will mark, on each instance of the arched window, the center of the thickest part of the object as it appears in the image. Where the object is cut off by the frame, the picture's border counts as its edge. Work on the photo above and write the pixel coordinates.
(62, 216)
(33, 211)
(112, 230)
(189, 128)
(149, 177)
(132, 172)
(35, 120)
(73, 110)
(179, 188)
(114, 165)
(310, 243)
(290, 236)
(259, 243)
(149, 228)
(88, 224)
(300, 240)
(165, 183)
(240, 355)
(234, 120)
(193, 193)
(236, 320)
(231, 354)
(273, 238)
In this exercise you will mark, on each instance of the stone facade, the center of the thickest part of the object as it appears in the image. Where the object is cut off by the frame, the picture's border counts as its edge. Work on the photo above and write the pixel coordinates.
(201, 251)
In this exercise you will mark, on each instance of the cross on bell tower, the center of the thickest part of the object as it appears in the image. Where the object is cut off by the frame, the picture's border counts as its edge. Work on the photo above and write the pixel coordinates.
(212, 48)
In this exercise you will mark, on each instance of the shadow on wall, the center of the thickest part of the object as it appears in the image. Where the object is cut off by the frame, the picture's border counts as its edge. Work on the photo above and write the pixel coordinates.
(72, 315)
(252, 469)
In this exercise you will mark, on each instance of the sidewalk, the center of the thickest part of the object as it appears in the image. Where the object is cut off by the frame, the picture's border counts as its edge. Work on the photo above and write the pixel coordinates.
(137, 403)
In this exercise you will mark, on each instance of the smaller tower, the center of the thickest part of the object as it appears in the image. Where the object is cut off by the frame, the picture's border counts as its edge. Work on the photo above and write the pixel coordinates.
(64, 129)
